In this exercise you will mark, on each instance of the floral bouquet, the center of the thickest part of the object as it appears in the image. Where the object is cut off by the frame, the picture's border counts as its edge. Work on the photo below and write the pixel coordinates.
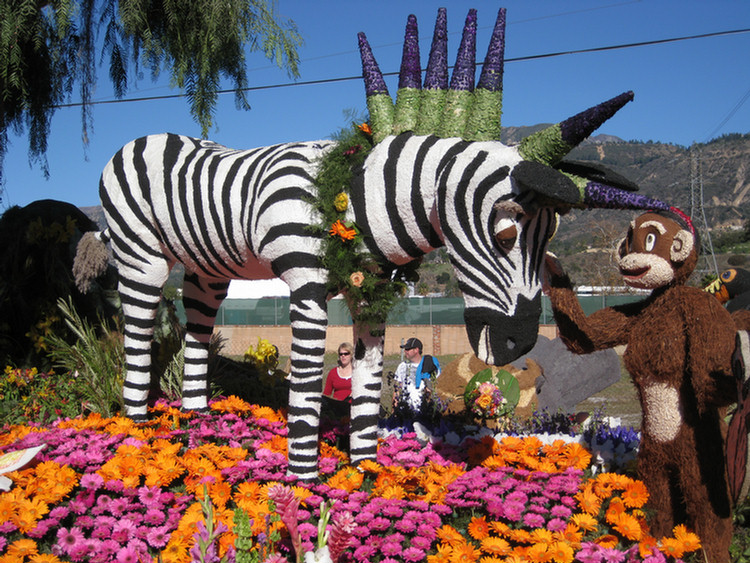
(489, 396)
(487, 401)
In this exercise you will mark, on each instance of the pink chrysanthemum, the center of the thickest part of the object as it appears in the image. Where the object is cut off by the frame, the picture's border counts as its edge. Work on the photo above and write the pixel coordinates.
(67, 539)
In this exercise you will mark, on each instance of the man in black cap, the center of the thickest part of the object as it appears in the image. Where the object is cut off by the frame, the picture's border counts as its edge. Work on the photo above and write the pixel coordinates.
(415, 374)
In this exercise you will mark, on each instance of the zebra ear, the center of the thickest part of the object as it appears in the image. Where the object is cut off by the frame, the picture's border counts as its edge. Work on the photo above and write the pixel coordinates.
(552, 188)
(595, 172)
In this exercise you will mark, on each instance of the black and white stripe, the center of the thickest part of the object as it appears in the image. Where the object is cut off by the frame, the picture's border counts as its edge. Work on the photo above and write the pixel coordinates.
(227, 214)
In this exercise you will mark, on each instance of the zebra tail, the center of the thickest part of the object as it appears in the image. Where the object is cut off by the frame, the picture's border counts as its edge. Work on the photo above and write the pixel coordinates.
(91, 259)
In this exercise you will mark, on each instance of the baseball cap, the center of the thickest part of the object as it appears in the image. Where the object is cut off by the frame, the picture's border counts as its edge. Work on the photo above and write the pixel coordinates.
(412, 343)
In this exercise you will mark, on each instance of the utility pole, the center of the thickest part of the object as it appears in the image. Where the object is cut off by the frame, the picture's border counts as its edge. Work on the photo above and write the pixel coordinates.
(707, 259)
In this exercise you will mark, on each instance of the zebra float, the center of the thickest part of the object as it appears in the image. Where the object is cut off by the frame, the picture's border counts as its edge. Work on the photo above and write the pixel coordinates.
(428, 171)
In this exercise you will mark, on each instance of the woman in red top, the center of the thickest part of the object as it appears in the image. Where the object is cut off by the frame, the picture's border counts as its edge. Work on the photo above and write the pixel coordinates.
(339, 380)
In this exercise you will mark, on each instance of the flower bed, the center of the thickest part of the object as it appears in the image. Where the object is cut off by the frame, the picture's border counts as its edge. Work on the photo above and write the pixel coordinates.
(189, 487)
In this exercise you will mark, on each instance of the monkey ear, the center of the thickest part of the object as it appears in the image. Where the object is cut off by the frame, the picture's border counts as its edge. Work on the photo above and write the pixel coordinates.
(682, 246)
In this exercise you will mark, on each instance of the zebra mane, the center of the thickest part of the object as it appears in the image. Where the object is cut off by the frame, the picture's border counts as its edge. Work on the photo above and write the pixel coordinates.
(458, 110)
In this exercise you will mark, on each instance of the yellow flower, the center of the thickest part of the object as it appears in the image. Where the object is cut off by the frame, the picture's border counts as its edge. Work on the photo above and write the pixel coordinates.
(341, 202)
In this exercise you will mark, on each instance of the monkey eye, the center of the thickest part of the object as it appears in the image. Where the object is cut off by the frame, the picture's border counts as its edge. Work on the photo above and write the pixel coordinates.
(506, 238)
(650, 242)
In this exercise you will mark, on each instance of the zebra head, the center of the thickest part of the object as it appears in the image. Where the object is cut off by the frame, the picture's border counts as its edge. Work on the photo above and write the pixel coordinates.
(496, 205)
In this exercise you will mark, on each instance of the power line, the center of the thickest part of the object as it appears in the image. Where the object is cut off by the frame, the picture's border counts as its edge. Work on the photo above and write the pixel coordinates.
(359, 77)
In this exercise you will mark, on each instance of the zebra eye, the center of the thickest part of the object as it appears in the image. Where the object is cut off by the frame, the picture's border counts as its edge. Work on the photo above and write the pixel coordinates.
(506, 239)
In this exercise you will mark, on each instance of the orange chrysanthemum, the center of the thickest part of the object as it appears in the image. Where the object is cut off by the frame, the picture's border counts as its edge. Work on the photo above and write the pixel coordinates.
(537, 553)
(465, 553)
(615, 510)
(576, 456)
(339, 229)
(495, 546)
(370, 466)
(347, 478)
(22, 548)
(479, 528)
(44, 558)
(672, 547)
(231, 404)
(277, 444)
(175, 552)
(443, 554)
(589, 501)
(561, 552)
(449, 535)
(327, 450)
(572, 534)
(500, 528)
(635, 494)
(607, 540)
(266, 413)
(629, 527)
(690, 541)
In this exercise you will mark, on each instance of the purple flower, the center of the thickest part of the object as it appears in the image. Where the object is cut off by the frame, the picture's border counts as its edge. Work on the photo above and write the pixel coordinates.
(533, 520)
(421, 542)
(127, 555)
(364, 553)
(59, 512)
(513, 511)
(153, 517)
(91, 481)
(380, 524)
(158, 537)
(405, 525)
(611, 555)
(556, 525)
(391, 548)
(68, 539)
(413, 554)
(149, 496)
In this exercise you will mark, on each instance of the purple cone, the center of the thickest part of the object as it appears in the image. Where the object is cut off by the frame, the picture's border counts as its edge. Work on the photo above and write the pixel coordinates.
(607, 197)
(577, 128)
(491, 77)
(463, 72)
(436, 77)
(410, 75)
(374, 83)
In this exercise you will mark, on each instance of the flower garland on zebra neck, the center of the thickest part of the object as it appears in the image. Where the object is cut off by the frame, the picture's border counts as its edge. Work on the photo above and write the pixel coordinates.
(371, 288)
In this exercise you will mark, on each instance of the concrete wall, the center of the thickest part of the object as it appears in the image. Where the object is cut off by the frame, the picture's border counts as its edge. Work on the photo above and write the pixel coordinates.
(438, 340)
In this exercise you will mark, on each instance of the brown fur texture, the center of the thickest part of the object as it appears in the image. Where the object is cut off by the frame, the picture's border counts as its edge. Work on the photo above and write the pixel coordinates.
(679, 346)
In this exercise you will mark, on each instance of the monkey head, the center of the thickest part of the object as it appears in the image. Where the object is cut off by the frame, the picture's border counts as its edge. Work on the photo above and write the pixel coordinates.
(660, 249)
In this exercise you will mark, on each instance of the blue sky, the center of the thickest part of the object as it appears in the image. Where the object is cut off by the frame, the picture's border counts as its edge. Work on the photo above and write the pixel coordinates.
(686, 91)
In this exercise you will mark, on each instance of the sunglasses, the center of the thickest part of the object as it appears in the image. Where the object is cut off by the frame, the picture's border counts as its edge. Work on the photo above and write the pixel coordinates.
(345, 353)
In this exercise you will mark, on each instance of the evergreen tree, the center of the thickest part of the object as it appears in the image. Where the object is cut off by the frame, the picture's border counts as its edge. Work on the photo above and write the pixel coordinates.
(49, 47)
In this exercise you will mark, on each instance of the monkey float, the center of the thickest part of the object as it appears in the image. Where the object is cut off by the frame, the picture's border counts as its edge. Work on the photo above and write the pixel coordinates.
(680, 342)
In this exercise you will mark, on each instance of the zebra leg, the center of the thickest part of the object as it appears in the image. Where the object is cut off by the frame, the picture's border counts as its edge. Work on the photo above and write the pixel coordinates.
(140, 293)
(201, 299)
(366, 390)
(309, 319)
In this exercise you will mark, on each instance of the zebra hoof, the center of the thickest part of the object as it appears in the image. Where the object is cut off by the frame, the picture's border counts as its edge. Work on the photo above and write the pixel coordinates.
(138, 418)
